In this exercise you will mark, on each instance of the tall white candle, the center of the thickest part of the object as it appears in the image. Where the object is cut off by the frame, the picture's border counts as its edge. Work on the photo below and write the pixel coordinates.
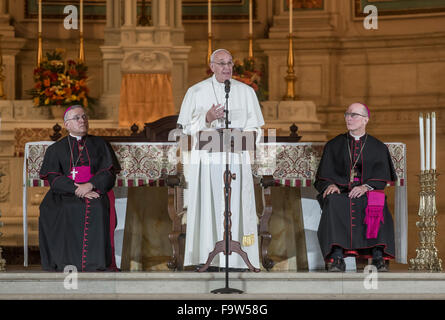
(40, 15)
(428, 142)
(433, 141)
(209, 14)
(422, 143)
(81, 15)
(250, 17)
(291, 9)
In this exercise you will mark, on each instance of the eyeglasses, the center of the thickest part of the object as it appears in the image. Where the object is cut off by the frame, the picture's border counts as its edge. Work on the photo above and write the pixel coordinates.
(354, 115)
(223, 64)
(77, 118)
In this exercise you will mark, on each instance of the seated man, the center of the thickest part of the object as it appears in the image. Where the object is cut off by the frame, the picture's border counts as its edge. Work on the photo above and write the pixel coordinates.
(353, 171)
(77, 216)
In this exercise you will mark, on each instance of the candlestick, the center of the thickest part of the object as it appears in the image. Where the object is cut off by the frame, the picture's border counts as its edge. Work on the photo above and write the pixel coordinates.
(250, 17)
(428, 142)
(81, 15)
(40, 15)
(422, 143)
(433, 141)
(291, 9)
(209, 14)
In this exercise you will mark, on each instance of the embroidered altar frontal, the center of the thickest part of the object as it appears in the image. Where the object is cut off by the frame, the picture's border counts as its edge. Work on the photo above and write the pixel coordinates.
(292, 165)
(148, 164)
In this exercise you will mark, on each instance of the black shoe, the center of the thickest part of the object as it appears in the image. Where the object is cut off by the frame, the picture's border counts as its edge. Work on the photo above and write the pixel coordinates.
(338, 265)
(380, 264)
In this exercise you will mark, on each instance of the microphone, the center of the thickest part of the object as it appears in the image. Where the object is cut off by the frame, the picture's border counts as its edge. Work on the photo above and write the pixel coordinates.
(227, 86)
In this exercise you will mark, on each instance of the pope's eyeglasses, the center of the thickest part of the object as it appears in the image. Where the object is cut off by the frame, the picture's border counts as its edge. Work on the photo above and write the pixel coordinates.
(223, 64)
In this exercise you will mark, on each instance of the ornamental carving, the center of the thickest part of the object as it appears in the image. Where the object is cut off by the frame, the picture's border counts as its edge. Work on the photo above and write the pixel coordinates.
(146, 62)
(5, 181)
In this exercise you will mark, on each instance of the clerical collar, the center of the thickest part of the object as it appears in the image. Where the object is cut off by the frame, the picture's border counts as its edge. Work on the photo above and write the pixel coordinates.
(357, 137)
(76, 137)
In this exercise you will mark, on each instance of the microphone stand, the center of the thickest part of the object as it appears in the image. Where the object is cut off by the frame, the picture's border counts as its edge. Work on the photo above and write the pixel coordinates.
(227, 245)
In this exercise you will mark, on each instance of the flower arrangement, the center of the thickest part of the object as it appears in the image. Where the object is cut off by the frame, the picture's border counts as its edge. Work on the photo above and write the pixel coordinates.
(58, 84)
(245, 72)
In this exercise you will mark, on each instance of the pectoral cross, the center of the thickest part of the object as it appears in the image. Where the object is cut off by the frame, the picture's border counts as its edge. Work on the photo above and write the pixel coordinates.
(73, 173)
(353, 174)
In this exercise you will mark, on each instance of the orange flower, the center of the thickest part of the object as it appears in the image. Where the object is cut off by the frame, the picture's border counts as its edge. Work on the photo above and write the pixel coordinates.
(67, 91)
(46, 82)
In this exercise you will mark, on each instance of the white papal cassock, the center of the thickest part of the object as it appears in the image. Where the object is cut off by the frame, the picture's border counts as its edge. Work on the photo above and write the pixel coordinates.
(204, 172)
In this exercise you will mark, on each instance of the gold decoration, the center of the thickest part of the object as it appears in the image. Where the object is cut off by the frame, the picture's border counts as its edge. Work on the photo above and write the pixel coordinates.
(290, 77)
(248, 240)
(427, 258)
(81, 49)
(209, 48)
(251, 48)
(39, 50)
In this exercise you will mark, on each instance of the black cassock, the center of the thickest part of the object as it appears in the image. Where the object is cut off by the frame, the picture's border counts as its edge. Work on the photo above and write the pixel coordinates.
(342, 220)
(72, 230)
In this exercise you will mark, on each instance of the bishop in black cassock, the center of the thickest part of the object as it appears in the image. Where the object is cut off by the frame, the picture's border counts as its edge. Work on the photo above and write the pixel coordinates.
(354, 169)
(77, 216)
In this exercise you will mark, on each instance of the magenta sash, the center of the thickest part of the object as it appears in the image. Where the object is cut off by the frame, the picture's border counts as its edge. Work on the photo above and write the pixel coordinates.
(82, 174)
(374, 213)
(113, 223)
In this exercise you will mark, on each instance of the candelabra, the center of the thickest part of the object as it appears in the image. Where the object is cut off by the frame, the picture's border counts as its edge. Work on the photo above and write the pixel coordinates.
(250, 47)
(427, 258)
(81, 49)
(209, 48)
(290, 77)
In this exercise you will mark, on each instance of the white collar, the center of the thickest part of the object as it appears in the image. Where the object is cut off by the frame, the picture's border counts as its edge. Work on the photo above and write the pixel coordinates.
(78, 138)
(356, 137)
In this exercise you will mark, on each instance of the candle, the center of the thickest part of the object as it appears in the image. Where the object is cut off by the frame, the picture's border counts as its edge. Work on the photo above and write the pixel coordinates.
(40, 16)
(250, 17)
(291, 9)
(428, 142)
(433, 141)
(422, 143)
(209, 14)
(81, 16)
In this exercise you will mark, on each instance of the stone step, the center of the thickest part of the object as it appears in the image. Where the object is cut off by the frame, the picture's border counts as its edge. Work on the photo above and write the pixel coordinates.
(181, 285)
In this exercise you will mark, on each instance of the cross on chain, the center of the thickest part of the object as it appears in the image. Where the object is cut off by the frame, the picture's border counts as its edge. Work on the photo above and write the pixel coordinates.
(73, 173)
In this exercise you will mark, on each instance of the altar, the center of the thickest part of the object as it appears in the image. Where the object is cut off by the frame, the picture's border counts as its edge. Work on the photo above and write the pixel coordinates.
(288, 213)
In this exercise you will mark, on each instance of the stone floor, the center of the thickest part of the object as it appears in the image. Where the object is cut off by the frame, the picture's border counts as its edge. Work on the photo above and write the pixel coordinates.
(18, 282)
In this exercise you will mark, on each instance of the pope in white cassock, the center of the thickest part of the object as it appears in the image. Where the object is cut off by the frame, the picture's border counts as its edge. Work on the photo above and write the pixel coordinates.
(203, 109)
